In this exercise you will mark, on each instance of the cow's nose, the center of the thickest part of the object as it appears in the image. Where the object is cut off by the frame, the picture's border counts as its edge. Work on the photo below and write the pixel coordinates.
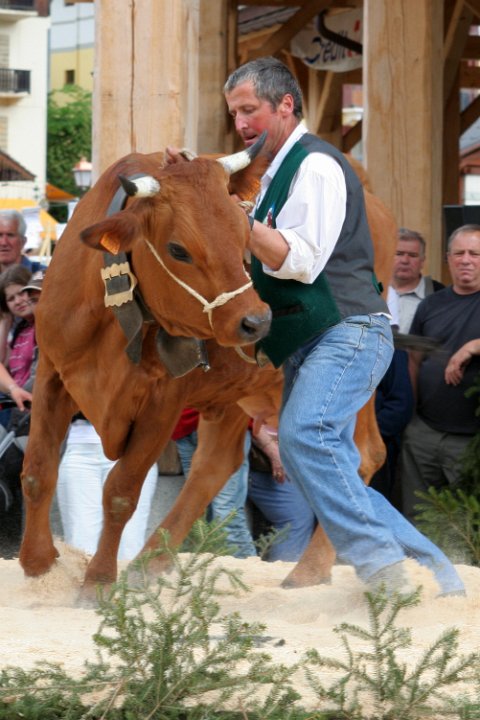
(255, 327)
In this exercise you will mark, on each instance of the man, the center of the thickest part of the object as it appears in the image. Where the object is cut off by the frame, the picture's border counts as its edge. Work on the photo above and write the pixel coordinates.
(13, 237)
(445, 421)
(408, 285)
(312, 261)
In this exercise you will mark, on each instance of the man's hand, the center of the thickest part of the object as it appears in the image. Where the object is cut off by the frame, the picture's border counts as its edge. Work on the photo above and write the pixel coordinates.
(174, 155)
(459, 361)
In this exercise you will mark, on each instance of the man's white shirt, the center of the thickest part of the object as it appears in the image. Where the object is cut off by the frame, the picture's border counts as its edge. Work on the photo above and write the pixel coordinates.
(313, 215)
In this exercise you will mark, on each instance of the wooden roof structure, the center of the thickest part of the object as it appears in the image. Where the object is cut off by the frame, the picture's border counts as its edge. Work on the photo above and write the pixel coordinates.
(417, 56)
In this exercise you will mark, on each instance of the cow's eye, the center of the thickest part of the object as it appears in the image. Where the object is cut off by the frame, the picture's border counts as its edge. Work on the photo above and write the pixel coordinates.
(179, 253)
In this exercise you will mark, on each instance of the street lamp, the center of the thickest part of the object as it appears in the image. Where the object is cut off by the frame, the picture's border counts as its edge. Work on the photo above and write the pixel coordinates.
(82, 173)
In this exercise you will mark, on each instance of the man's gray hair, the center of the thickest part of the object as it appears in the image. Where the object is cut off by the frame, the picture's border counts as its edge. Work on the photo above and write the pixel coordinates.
(406, 234)
(459, 231)
(17, 217)
(271, 80)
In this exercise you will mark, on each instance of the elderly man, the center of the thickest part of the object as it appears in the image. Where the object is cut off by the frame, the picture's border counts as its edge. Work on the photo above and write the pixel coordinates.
(408, 286)
(12, 241)
(445, 421)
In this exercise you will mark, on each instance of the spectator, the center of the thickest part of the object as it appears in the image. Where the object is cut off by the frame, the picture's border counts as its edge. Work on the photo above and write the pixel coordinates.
(17, 336)
(18, 298)
(445, 419)
(408, 285)
(312, 261)
(394, 405)
(278, 504)
(12, 241)
(233, 495)
(82, 473)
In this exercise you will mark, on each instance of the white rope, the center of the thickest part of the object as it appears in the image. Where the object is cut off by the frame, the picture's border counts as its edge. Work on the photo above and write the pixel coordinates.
(244, 355)
(208, 307)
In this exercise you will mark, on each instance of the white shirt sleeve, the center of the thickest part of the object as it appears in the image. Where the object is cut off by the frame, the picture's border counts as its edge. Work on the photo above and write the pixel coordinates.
(311, 218)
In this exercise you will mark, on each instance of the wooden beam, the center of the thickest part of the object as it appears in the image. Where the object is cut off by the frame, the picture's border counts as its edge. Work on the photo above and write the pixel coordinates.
(213, 42)
(145, 93)
(303, 3)
(473, 5)
(471, 51)
(281, 38)
(329, 109)
(352, 137)
(469, 76)
(455, 40)
(403, 49)
(470, 115)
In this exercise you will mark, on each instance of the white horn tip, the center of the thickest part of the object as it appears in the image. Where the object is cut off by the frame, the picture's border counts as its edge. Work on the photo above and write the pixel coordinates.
(147, 186)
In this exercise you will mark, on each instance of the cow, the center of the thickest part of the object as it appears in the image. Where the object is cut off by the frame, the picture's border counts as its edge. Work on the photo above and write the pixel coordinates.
(185, 240)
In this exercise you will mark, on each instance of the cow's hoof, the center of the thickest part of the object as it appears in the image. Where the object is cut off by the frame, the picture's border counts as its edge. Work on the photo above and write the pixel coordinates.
(292, 581)
(36, 564)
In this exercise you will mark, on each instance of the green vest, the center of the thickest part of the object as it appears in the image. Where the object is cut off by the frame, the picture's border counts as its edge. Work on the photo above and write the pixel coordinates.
(300, 311)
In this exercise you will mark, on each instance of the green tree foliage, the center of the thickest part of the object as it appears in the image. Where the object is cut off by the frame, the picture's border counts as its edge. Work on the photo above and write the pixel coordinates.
(69, 134)
(376, 682)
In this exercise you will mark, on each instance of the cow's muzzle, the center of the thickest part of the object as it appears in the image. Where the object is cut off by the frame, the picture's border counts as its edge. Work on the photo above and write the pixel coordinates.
(255, 327)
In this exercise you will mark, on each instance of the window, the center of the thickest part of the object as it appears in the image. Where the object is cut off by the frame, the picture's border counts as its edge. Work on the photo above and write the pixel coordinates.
(69, 77)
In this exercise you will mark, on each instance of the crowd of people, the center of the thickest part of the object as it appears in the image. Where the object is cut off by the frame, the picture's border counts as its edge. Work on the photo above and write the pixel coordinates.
(312, 261)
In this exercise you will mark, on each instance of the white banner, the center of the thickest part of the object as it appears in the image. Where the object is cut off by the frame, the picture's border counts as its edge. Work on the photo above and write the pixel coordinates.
(322, 54)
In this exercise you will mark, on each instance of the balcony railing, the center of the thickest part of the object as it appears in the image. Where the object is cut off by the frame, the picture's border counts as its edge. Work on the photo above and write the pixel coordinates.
(26, 5)
(14, 81)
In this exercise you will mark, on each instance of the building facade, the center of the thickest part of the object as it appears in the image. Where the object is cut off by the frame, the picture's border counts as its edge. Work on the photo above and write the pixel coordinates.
(24, 50)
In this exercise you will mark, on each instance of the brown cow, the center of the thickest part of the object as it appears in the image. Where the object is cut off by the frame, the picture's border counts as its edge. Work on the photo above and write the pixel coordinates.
(186, 242)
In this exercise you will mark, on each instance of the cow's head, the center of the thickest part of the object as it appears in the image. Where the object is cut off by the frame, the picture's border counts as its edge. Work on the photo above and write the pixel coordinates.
(186, 240)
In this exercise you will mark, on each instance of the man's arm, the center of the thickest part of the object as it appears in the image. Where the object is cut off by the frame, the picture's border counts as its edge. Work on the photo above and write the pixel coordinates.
(459, 360)
(268, 245)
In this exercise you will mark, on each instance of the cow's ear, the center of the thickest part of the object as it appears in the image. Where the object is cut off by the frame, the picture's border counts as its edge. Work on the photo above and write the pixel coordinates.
(117, 233)
(246, 182)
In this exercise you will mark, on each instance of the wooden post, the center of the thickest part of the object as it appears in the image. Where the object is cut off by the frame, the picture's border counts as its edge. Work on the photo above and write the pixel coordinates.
(403, 122)
(145, 94)
(212, 121)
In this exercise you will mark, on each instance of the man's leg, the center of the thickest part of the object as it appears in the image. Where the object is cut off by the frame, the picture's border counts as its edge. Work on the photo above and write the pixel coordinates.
(284, 507)
(421, 465)
(232, 497)
(326, 384)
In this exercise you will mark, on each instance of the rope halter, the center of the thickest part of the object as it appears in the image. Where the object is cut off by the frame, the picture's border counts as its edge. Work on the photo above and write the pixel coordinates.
(208, 307)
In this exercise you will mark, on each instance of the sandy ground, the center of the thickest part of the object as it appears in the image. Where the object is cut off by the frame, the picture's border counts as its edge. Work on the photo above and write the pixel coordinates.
(41, 623)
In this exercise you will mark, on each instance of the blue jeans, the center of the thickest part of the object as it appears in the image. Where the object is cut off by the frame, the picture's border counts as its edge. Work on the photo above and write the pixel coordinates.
(284, 506)
(327, 381)
(231, 497)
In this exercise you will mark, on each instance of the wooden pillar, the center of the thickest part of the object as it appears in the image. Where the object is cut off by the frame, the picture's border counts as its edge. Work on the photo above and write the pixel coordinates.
(214, 29)
(403, 121)
(145, 92)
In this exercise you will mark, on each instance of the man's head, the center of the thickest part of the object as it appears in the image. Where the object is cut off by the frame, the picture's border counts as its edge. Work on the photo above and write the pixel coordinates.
(409, 259)
(12, 237)
(264, 95)
(463, 255)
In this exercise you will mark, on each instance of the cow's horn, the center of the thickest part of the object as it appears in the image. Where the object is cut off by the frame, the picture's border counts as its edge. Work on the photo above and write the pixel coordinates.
(143, 186)
(236, 162)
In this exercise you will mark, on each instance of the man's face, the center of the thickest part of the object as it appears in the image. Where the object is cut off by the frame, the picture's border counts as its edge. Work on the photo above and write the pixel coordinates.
(409, 261)
(464, 262)
(252, 116)
(11, 243)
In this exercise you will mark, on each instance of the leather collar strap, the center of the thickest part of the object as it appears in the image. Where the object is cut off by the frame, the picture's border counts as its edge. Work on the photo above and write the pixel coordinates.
(121, 293)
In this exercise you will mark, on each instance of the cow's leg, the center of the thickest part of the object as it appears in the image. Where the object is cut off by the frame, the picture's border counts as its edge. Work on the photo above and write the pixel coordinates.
(219, 453)
(315, 565)
(121, 493)
(52, 409)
